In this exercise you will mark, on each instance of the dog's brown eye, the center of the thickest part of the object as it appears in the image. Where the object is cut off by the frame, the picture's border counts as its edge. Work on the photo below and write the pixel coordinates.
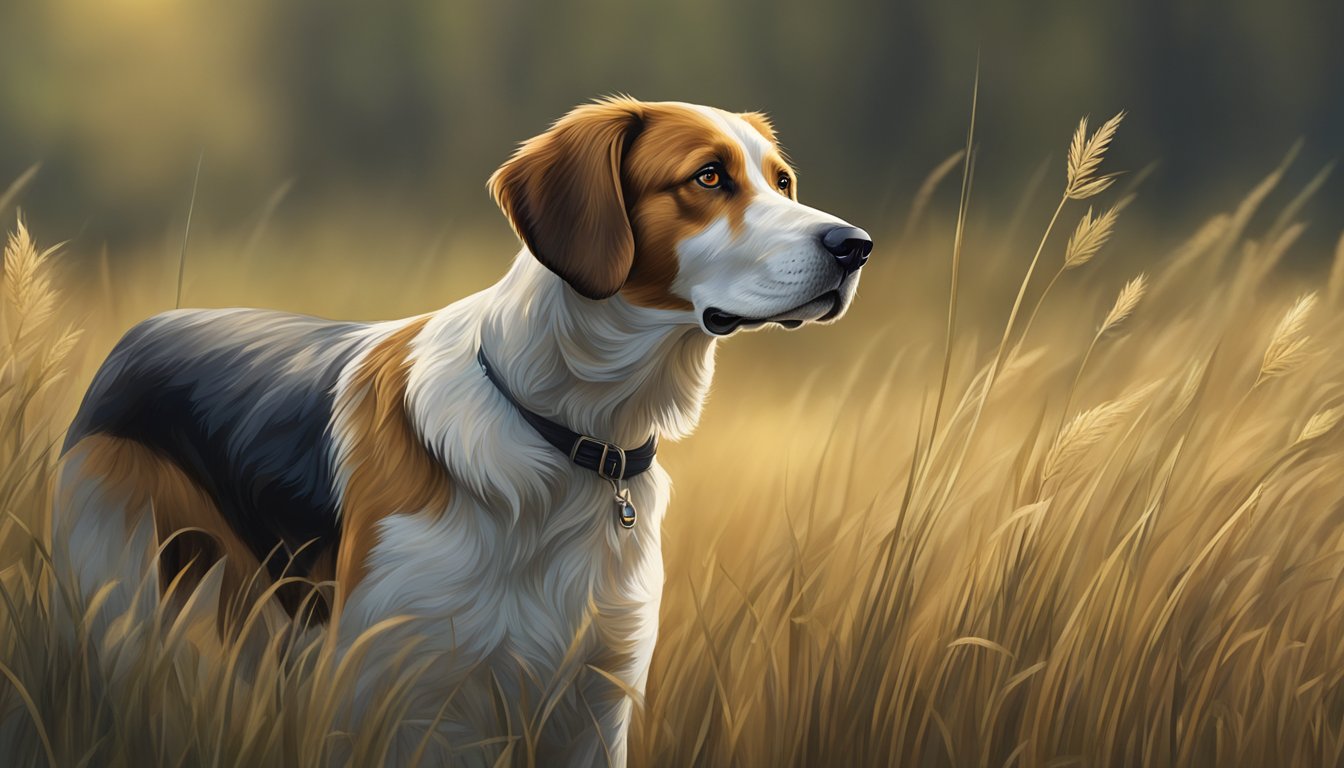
(783, 182)
(709, 178)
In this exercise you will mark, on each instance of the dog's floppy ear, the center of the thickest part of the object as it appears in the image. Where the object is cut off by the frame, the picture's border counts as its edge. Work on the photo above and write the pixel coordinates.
(562, 193)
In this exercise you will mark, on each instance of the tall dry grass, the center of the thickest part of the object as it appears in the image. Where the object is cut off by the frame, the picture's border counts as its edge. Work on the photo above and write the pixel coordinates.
(1105, 531)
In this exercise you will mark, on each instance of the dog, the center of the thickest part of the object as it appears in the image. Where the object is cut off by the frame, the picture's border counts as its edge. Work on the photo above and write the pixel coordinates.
(486, 472)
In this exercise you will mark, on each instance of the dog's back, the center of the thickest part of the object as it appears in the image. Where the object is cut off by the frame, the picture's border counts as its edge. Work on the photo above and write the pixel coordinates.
(238, 403)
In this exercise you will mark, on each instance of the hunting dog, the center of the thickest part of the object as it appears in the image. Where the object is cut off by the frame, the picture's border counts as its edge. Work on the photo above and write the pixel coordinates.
(486, 470)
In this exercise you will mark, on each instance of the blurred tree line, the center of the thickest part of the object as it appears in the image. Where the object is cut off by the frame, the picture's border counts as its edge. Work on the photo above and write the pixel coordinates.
(409, 105)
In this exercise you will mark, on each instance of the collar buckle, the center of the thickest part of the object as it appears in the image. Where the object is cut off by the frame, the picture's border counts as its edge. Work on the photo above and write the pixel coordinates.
(617, 471)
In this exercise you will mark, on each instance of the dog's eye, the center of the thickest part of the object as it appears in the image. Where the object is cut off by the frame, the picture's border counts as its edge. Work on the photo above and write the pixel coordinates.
(709, 177)
(784, 183)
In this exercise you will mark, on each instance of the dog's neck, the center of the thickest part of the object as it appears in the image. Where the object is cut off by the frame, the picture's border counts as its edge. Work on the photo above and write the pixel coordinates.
(606, 368)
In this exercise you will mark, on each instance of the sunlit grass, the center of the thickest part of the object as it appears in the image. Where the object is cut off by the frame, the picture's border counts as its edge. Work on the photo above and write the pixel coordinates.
(1122, 545)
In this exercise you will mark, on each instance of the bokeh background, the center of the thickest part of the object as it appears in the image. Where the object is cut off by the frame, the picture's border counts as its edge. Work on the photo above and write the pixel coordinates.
(350, 129)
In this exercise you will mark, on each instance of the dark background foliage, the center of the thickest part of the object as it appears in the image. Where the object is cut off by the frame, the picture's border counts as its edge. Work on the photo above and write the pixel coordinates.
(402, 109)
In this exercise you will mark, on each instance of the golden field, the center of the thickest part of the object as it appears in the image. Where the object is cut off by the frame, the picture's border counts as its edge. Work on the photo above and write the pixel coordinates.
(1099, 523)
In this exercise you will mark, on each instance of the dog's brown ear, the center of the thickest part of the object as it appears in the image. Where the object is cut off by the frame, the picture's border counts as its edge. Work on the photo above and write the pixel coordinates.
(562, 193)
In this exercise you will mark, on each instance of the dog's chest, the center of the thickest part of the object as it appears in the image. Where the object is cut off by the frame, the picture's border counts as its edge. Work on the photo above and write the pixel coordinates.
(561, 582)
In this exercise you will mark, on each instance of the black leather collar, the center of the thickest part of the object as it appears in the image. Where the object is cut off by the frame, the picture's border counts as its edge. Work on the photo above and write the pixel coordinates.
(608, 460)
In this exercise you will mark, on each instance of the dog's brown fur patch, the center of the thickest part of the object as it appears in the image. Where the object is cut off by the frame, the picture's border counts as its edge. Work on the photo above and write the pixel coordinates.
(140, 481)
(390, 469)
(667, 206)
(562, 193)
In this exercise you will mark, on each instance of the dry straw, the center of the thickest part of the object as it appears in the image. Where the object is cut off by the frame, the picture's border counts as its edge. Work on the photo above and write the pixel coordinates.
(1194, 376)
(1125, 303)
(1085, 156)
(1088, 238)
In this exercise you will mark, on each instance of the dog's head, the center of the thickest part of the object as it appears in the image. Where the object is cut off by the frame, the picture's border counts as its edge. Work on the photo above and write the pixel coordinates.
(680, 207)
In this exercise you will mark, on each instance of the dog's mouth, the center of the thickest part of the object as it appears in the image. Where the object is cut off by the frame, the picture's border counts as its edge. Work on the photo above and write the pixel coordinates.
(823, 307)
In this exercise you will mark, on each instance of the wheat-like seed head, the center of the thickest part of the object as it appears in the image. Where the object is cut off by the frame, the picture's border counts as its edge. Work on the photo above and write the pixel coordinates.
(1091, 234)
(1320, 423)
(1125, 302)
(20, 266)
(1089, 427)
(55, 354)
(1085, 155)
(1209, 233)
(27, 283)
(1287, 348)
(1189, 387)
(1260, 258)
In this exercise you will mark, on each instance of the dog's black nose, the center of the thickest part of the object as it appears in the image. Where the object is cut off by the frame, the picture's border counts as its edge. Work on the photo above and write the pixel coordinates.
(850, 245)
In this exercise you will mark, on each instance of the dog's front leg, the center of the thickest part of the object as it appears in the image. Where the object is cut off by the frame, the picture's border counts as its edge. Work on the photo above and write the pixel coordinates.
(603, 712)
